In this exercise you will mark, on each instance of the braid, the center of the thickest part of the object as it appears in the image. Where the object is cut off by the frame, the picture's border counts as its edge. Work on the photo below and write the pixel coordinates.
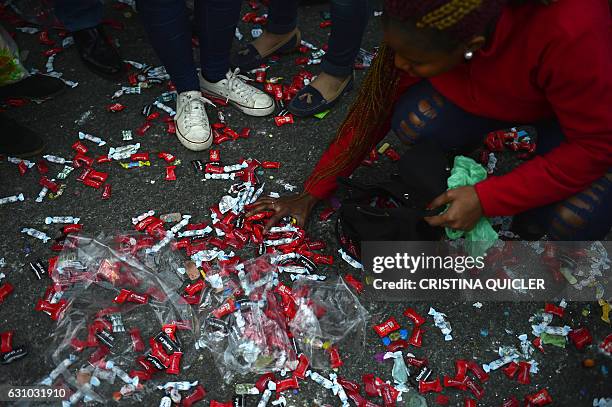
(449, 14)
(369, 111)
(461, 19)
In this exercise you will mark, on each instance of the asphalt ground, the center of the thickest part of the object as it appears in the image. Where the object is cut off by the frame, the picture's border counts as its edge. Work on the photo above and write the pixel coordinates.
(477, 333)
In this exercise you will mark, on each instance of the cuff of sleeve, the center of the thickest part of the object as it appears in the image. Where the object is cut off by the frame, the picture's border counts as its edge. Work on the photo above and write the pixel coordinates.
(319, 192)
(487, 191)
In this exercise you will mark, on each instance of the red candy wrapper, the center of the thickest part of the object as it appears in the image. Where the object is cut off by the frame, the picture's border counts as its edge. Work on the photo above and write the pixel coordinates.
(143, 129)
(245, 132)
(282, 120)
(106, 192)
(416, 337)
(478, 371)
(510, 369)
(356, 284)
(392, 154)
(540, 398)
(214, 156)
(22, 168)
(385, 328)
(334, 358)
(79, 147)
(581, 337)
(175, 362)
(130, 296)
(325, 24)
(6, 341)
(227, 308)
(43, 38)
(286, 384)
(270, 165)
(414, 361)
(523, 373)
(302, 367)
(42, 167)
(326, 213)
(554, 309)
(453, 382)
(170, 175)
(476, 389)
(431, 386)
(198, 394)
(167, 157)
(137, 343)
(468, 402)
(115, 107)
(511, 402)
(5, 290)
(414, 316)
(140, 156)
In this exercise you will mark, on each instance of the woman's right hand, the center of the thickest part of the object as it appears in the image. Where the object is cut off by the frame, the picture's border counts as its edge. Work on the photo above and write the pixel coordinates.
(298, 206)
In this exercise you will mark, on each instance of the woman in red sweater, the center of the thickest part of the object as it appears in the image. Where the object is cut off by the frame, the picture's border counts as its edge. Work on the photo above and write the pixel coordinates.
(453, 70)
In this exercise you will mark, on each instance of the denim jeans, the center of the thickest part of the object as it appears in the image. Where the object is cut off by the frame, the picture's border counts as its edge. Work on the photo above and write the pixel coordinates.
(349, 20)
(423, 114)
(170, 32)
(79, 14)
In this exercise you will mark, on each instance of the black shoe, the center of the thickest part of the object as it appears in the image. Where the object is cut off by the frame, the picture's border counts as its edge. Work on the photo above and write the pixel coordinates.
(98, 53)
(17, 140)
(309, 101)
(249, 58)
(34, 87)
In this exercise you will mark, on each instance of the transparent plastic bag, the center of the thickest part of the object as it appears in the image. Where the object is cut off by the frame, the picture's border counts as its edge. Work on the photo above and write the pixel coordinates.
(328, 314)
(122, 319)
(240, 321)
(11, 69)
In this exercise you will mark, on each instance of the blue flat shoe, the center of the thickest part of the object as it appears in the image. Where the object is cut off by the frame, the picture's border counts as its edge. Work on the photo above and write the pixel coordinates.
(249, 58)
(309, 101)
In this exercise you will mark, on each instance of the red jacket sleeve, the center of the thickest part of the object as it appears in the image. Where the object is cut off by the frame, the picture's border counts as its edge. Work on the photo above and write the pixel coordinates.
(576, 75)
(325, 187)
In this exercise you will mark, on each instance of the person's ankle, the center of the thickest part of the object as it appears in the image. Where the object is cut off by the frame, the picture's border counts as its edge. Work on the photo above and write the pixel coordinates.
(268, 39)
(328, 84)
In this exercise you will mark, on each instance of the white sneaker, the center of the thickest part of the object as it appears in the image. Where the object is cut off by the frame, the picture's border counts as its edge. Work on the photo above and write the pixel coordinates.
(243, 96)
(192, 126)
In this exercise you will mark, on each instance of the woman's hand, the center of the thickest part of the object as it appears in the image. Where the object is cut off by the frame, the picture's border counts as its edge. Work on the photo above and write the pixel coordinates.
(464, 210)
(297, 206)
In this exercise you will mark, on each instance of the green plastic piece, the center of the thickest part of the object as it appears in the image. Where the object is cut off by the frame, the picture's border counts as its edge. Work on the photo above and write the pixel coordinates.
(478, 240)
(555, 340)
(322, 114)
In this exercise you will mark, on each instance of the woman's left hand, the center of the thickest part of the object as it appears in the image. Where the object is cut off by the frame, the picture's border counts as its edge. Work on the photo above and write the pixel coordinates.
(464, 210)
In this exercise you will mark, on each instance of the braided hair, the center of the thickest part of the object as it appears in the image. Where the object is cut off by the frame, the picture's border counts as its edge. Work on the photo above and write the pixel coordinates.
(445, 24)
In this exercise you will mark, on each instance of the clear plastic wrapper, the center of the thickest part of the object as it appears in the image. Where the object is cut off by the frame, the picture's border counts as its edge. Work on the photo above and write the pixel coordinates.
(241, 322)
(328, 314)
(122, 320)
(11, 69)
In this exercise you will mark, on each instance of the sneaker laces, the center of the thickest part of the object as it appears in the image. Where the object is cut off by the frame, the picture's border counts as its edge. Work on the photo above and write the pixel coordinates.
(195, 111)
(237, 84)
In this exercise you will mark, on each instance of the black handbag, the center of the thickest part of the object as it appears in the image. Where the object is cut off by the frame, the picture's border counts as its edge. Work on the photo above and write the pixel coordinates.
(394, 210)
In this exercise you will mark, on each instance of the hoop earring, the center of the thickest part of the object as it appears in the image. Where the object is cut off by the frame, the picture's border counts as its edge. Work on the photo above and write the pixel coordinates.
(468, 55)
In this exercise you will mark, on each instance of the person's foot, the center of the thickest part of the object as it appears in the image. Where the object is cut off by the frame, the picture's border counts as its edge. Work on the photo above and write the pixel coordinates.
(267, 44)
(33, 87)
(243, 96)
(98, 53)
(192, 126)
(17, 140)
(320, 95)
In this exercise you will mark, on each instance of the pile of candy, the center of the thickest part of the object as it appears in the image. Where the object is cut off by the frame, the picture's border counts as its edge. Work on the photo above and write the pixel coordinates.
(133, 307)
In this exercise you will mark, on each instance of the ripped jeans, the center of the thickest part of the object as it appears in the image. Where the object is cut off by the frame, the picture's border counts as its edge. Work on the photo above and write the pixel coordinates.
(422, 113)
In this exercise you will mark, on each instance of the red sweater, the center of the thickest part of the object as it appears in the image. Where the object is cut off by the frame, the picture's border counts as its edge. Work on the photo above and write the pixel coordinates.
(542, 61)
